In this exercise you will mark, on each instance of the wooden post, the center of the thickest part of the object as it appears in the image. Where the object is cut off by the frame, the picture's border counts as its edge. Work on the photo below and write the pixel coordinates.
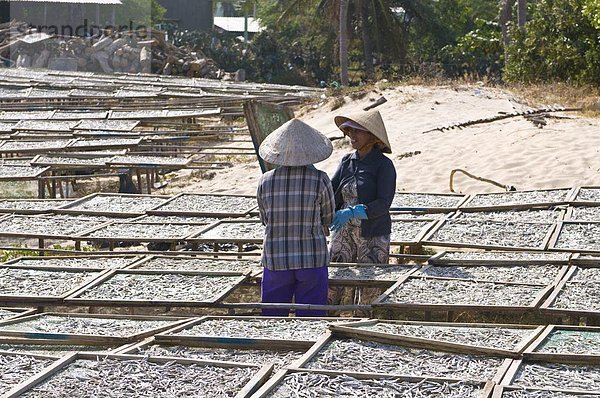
(41, 189)
(139, 179)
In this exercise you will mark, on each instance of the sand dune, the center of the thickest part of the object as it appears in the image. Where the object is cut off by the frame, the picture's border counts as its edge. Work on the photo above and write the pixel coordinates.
(512, 151)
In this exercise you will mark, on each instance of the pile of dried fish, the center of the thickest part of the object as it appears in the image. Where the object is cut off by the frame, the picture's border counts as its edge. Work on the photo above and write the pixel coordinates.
(149, 160)
(407, 231)
(108, 125)
(118, 203)
(256, 357)
(314, 385)
(493, 337)
(540, 394)
(19, 145)
(55, 225)
(199, 264)
(585, 213)
(492, 233)
(571, 342)
(372, 357)
(505, 256)
(588, 195)
(236, 231)
(586, 275)
(25, 115)
(75, 161)
(96, 262)
(139, 230)
(108, 377)
(55, 350)
(118, 327)
(556, 375)
(579, 236)
(176, 219)
(46, 125)
(532, 274)
(461, 292)
(4, 314)
(30, 282)
(209, 204)
(18, 171)
(32, 204)
(543, 216)
(426, 200)
(266, 328)
(578, 296)
(163, 287)
(18, 368)
(363, 272)
(105, 142)
(518, 198)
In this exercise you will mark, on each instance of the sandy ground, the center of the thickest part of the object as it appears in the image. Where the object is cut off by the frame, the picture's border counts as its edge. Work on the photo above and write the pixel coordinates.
(512, 151)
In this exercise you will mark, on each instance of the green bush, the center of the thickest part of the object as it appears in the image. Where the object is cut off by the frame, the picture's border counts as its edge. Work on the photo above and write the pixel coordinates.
(559, 43)
(478, 53)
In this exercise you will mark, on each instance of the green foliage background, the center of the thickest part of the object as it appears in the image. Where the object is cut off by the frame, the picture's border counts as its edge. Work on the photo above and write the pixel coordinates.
(432, 38)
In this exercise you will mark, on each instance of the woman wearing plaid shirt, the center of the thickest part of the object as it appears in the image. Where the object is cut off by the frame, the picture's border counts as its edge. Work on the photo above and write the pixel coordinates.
(296, 205)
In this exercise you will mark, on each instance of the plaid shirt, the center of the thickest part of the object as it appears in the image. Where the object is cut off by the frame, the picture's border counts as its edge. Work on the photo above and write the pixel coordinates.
(295, 204)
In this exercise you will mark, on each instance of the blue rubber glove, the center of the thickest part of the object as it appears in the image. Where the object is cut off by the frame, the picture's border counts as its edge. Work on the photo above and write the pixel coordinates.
(341, 217)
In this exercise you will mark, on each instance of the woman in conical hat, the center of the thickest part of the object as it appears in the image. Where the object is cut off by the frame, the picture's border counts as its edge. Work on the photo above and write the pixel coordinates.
(364, 186)
(296, 205)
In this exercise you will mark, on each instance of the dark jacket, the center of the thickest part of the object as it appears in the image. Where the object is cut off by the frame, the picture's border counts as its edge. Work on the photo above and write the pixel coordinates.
(376, 185)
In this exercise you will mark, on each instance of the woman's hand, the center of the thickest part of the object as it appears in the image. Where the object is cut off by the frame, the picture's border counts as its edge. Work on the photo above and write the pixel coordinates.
(342, 216)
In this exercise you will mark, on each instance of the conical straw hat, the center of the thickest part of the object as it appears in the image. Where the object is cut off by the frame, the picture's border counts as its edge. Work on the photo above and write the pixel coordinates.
(295, 143)
(372, 122)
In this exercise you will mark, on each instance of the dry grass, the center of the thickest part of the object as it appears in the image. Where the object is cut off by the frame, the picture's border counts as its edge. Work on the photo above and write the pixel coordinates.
(539, 95)
(585, 97)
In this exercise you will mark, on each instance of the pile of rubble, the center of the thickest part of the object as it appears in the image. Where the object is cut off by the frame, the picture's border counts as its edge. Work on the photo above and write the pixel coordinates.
(129, 52)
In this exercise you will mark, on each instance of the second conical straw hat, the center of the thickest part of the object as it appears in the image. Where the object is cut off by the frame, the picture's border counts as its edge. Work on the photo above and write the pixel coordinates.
(372, 122)
(295, 143)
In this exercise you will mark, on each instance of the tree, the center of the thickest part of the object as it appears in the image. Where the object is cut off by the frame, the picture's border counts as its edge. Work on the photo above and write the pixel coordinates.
(560, 43)
(343, 37)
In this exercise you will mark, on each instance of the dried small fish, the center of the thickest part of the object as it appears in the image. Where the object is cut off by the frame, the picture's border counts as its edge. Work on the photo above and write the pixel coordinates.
(118, 327)
(461, 292)
(191, 203)
(265, 328)
(164, 287)
(315, 385)
(256, 357)
(97, 262)
(37, 283)
(106, 377)
(118, 203)
(200, 264)
(571, 342)
(426, 200)
(354, 355)
(518, 198)
(16, 368)
(236, 231)
(504, 256)
(579, 236)
(492, 233)
(492, 337)
(559, 376)
(543, 394)
(588, 194)
(532, 274)
(578, 296)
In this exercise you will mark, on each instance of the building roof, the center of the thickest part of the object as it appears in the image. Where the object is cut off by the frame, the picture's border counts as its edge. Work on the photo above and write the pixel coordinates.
(236, 24)
(99, 2)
